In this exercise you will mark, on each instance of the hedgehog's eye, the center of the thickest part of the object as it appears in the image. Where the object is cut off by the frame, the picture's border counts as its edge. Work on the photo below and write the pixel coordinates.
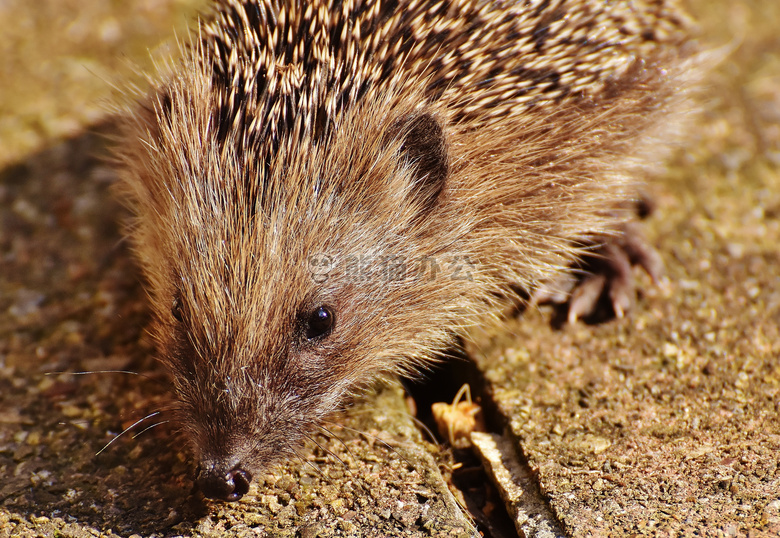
(320, 322)
(177, 310)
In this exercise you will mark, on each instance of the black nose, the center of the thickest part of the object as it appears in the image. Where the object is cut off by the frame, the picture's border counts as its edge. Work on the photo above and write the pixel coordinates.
(230, 486)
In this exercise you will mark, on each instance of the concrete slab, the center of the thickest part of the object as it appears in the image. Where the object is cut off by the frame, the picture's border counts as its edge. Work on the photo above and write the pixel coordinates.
(665, 423)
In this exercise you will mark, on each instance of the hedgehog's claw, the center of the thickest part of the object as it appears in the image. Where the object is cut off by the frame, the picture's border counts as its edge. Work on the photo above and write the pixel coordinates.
(612, 274)
(641, 252)
(608, 278)
(585, 296)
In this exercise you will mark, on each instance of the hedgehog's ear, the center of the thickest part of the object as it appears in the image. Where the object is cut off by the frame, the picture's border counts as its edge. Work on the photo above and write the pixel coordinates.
(425, 147)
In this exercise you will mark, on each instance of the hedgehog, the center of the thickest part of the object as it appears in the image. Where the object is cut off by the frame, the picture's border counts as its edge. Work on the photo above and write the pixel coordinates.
(325, 193)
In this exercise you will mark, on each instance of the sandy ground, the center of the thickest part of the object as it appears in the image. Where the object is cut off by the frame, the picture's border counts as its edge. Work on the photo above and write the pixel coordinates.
(663, 423)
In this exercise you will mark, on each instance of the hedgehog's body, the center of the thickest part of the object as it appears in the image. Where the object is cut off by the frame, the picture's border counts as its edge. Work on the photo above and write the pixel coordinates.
(391, 165)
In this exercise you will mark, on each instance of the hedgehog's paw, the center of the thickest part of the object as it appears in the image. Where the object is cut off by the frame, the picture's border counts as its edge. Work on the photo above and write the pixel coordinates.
(608, 276)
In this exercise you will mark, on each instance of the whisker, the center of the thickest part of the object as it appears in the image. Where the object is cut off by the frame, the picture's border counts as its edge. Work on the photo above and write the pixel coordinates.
(327, 451)
(130, 414)
(420, 424)
(129, 372)
(338, 438)
(87, 422)
(374, 437)
(149, 428)
(310, 464)
(133, 425)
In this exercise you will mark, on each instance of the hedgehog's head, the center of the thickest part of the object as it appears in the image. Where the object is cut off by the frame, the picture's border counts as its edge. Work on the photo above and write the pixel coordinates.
(287, 280)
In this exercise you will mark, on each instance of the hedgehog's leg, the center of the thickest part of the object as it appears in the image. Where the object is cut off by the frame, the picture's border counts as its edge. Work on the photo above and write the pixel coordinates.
(607, 275)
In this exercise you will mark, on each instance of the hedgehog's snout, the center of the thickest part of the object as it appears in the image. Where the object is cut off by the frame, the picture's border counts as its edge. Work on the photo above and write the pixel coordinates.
(216, 483)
